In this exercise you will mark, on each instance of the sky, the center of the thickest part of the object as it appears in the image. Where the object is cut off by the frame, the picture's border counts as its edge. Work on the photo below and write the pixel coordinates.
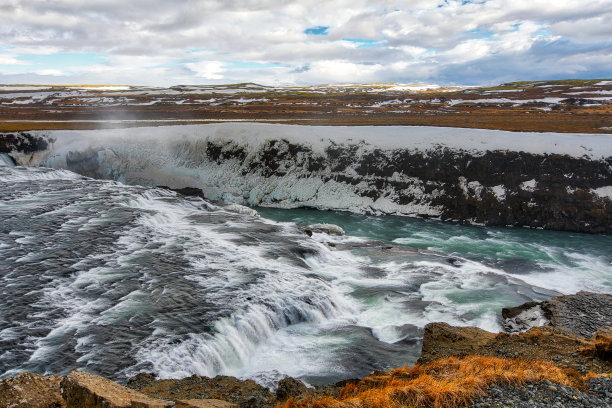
(279, 42)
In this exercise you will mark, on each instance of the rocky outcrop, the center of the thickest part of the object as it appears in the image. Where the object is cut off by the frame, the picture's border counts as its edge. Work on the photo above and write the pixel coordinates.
(292, 388)
(443, 339)
(583, 313)
(85, 390)
(28, 390)
(243, 393)
(23, 143)
(572, 331)
(559, 346)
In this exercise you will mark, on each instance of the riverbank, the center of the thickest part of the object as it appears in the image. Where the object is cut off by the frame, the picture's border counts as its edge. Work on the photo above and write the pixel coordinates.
(555, 181)
(459, 366)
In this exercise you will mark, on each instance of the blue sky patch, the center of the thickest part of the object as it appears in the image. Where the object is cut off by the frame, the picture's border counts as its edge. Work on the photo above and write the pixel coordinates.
(250, 65)
(317, 30)
(362, 43)
(543, 31)
(62, 60)
(480, 33)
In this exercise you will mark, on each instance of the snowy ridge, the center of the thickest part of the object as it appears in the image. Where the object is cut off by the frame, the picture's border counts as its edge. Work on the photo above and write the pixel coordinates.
(387, 137)
(468, 175)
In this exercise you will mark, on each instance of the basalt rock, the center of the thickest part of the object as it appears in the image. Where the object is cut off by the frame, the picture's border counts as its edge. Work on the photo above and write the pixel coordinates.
(583, 313)
(243, 393)
(23, 142)
(85, 390)
(28, 390)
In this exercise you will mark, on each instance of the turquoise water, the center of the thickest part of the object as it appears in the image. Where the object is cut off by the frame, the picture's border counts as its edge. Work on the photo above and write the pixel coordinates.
(561, 261)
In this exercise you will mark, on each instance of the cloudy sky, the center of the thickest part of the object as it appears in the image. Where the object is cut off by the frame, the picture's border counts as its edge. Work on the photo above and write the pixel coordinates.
(278, 42)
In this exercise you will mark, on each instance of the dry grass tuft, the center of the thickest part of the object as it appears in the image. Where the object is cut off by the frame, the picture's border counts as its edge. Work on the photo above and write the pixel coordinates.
(448, 383)
(602, 348)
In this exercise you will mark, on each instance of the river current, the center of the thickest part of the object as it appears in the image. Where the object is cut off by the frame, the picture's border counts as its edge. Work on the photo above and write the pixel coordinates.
(119, 279)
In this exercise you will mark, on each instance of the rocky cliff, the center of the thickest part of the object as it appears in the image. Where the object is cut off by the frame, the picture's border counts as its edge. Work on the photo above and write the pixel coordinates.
(551, 181)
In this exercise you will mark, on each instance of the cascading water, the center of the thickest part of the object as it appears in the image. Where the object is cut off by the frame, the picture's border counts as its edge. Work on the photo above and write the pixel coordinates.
(121, 279)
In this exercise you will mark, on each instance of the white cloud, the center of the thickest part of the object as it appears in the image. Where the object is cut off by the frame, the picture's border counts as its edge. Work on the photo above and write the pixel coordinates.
(207, 69)
(342, 72)
(49, 72)
(8, 59)
(147, 40)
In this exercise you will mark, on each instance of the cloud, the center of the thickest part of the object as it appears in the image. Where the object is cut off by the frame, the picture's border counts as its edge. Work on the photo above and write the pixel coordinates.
(163, 43)
(7, 59)
(207, 69)
(49, 72)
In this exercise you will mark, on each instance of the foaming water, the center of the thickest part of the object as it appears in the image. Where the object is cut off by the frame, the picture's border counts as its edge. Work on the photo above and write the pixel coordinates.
(122, 279)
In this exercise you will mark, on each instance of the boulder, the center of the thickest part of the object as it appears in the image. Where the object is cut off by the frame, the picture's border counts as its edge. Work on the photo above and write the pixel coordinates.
(442, 339)
(583, 313)
(329, 229)
(292, 388)
(28, 390)
(84, 390)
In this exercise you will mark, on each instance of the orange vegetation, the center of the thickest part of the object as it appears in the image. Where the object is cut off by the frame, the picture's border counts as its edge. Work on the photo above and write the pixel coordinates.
(449, 382)
(602, 348)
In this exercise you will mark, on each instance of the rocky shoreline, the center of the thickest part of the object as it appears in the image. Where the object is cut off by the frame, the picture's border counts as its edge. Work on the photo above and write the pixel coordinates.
(575, 343)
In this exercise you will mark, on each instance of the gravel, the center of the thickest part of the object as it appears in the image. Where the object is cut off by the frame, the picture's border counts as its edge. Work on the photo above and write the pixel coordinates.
(548, 395)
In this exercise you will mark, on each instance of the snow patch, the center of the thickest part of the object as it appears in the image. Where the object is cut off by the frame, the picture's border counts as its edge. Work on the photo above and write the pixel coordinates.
(499, 191)
(603, 92)
(529, 185)
(525, 320)
(603, 192)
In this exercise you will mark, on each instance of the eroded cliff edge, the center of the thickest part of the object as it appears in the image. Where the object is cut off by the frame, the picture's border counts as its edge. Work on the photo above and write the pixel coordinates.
(493, 178)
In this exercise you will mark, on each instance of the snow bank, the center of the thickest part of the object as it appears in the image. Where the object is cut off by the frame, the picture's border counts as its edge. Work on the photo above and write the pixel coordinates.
(475, 141)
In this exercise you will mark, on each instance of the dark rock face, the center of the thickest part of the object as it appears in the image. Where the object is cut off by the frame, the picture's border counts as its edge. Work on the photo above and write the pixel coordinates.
(583, 313)
(496, 188)
(464, 186)
(23, 142)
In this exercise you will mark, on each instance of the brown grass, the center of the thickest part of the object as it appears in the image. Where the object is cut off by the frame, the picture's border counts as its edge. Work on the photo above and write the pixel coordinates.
(449, 382)
(602, 348)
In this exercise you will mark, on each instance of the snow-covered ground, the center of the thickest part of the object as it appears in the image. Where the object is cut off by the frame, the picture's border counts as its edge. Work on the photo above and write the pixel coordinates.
(318, 138)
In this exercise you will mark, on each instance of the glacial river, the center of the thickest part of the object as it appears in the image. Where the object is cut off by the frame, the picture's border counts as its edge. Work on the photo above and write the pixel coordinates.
(118, 279)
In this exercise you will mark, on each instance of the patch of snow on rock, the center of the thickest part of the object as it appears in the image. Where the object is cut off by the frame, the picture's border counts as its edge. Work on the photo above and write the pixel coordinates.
(500, 192)
(529, 185)
(603, 192)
